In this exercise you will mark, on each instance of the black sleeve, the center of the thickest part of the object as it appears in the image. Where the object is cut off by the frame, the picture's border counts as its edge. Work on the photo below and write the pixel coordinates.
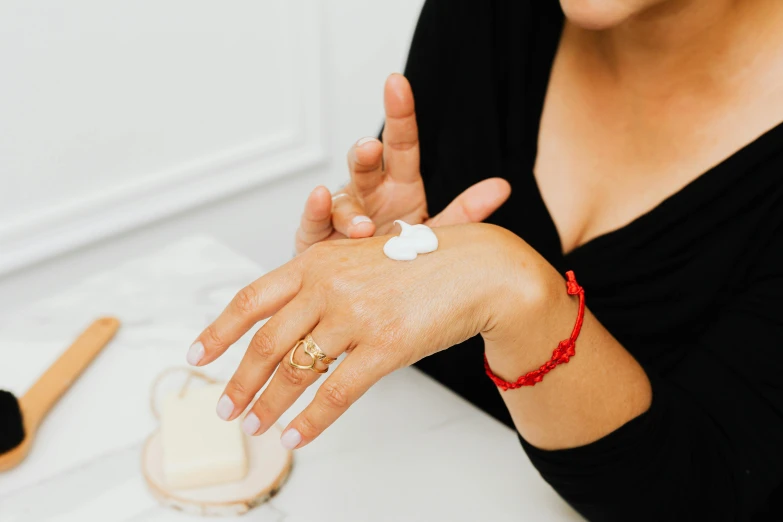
(709, 447)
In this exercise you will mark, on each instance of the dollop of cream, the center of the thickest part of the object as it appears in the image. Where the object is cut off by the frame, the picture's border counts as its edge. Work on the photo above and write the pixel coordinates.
(412, 241)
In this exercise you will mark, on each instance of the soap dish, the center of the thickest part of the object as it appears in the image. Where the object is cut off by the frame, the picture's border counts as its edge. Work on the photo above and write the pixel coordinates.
(268, 467)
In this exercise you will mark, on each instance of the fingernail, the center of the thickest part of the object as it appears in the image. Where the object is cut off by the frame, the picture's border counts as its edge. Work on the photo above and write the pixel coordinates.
(195, 353)
(225, 407)
(251, 424)
(362, 141)
(360, 219)
(291, 439)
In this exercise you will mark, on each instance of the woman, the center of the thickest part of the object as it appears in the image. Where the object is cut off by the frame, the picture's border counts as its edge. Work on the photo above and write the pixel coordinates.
(642, 139)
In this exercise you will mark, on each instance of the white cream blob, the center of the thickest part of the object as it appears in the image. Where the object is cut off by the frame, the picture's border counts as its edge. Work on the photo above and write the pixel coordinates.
(412, 241)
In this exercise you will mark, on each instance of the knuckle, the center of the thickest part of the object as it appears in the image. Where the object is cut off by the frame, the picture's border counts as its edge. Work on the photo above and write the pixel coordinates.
(360, 311)
(331, 285)
(307, 428)
(246, 300)
(262, 408)
(262, 344)
(362, 165)
(403, 145)
(335, 395)
(212, 338)
(347, 207)
(237, 388)
(290, 375)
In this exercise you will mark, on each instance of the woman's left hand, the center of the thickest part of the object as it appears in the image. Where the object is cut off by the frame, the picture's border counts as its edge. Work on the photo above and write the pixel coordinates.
(352, 298)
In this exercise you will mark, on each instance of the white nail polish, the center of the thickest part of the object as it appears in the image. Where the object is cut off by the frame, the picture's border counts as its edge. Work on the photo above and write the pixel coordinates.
(251, 424)
(360, 219)
(291, 439)
(225, 407)
(362, 141)
(195, 353)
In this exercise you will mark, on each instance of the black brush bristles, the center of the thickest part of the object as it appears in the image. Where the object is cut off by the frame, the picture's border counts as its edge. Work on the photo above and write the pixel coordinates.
(11, 425)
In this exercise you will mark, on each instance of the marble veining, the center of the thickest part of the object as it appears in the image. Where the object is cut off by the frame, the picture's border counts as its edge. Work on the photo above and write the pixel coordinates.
(408, 450)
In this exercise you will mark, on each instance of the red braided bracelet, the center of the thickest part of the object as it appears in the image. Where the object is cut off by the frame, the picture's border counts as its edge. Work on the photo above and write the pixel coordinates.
(561, 355)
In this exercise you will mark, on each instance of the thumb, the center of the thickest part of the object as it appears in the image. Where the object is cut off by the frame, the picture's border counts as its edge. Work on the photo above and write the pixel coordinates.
(476, 204)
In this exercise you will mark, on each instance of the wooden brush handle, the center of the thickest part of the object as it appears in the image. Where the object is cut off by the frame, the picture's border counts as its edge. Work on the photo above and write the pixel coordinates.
(39, 399)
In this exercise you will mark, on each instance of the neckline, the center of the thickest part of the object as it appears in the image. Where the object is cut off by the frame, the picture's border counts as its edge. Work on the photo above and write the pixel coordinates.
(707, 182)
(698, 190)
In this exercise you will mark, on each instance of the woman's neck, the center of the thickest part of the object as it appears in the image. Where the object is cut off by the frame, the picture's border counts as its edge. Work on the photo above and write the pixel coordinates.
(687, 43)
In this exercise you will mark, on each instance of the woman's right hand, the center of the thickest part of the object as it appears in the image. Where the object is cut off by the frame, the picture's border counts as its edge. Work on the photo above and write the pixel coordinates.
(386, 184)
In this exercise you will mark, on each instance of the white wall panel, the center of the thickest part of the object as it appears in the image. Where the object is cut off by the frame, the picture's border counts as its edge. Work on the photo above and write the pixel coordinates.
(345, 50)
(116, 114)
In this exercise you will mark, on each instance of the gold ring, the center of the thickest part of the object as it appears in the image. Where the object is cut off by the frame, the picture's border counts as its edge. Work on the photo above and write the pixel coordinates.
(314, 352)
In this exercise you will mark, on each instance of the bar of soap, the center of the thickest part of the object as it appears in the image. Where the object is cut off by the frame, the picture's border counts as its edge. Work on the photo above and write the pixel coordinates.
(199, 449)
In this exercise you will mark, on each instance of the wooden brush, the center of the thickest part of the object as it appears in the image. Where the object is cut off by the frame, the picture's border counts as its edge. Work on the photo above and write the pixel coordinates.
(19, 419)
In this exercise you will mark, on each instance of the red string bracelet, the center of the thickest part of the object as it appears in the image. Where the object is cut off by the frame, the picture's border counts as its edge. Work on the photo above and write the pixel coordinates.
(561, 355)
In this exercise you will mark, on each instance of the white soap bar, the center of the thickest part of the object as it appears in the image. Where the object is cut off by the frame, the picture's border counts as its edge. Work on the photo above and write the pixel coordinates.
(199, 449)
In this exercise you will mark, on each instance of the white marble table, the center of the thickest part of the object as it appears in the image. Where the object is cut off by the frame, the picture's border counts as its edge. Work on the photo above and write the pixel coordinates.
(408, 450)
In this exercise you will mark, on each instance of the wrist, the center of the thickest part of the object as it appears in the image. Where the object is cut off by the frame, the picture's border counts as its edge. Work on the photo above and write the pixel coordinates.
(530, 317)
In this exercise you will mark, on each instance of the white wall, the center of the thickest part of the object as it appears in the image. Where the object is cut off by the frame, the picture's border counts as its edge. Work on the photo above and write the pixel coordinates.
(126, 126)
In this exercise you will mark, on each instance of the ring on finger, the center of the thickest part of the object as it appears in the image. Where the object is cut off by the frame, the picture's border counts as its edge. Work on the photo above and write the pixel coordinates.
(338, 196)
(312, 350)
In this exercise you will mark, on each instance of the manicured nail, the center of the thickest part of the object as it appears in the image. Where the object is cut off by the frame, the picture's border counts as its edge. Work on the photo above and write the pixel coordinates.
(291, 439)
(362, 141)
(225, 407)
(360, 219)
(195, 353)
(251, 424)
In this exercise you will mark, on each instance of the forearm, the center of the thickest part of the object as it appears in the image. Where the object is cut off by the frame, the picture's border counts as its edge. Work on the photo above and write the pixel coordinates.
(599, 390)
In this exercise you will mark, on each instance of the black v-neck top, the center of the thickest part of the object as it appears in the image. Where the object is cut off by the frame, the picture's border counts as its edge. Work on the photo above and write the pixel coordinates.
(692, 289)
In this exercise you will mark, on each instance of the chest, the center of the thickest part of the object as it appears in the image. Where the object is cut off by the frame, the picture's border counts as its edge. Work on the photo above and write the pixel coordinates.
(608, 153)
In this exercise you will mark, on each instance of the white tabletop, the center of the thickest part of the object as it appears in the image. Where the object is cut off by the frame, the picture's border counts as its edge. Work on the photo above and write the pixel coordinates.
(408, 450)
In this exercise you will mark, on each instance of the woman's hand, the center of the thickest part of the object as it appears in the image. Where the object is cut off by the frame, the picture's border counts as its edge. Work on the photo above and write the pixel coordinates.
(386, 184)
(352, 298)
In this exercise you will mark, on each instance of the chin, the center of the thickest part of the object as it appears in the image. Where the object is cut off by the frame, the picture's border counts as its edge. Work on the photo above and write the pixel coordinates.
(603, 14)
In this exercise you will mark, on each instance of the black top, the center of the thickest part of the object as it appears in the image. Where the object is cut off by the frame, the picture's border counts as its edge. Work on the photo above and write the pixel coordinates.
(693, 288)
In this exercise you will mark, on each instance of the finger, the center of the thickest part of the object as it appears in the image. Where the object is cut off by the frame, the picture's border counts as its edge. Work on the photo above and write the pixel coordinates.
(349, 217)
(400, 132)
(365, 162)
(346, 385)
(316, 224)
(255, 302)
(288, 383)
(475, 204)
(266, 350)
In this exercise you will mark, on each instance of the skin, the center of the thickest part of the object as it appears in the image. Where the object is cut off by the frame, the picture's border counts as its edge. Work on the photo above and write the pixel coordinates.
(386, 184)
(644, 96)
(636, 112)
